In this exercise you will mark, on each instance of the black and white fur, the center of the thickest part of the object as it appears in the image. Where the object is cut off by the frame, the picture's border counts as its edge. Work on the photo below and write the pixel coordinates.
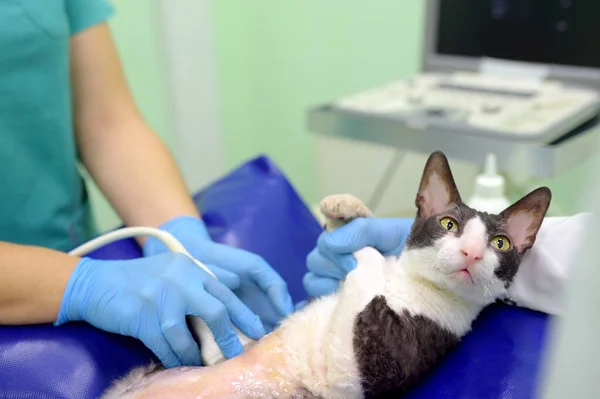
(393, 318)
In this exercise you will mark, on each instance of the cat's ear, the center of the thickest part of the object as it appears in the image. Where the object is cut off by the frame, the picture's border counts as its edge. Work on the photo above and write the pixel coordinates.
(524, 218)
(437, 191)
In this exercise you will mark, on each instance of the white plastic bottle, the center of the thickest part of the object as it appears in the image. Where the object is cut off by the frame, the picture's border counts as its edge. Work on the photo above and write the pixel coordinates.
(488, 194)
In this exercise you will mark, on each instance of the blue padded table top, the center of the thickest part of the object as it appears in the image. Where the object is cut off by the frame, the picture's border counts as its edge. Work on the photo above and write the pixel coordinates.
(499, 359)
(254, 207)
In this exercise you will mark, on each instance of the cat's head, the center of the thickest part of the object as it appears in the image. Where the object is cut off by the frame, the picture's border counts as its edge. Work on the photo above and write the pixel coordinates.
(473, 254)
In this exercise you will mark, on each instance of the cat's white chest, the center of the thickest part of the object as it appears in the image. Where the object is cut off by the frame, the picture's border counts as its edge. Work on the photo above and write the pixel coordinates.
(405, 292)
(319, 338)
(324, 332)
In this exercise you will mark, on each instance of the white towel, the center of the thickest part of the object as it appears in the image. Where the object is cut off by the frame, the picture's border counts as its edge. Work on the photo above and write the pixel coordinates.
(541, 281)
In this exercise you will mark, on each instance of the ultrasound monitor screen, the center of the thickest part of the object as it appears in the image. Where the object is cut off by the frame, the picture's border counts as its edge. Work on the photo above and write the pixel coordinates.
(563, 32)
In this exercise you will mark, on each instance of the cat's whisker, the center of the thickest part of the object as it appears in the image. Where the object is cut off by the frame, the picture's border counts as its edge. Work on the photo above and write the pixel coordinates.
(492, 281)
(486, 282)
(487, 291)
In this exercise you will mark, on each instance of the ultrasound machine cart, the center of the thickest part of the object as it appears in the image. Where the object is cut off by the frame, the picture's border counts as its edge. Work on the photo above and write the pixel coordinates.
(517, 78)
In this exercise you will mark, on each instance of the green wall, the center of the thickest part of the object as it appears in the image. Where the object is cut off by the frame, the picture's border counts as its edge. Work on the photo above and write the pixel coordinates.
(137, 32)
(277, 58)
(274, 60)
(569, 187)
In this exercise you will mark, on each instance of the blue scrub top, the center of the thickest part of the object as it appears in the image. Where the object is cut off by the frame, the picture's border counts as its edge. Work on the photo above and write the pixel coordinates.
(43, 198)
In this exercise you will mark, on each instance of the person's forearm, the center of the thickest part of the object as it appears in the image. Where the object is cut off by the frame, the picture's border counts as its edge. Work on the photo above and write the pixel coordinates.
(138, 175)
(130, 164)
(32, 283)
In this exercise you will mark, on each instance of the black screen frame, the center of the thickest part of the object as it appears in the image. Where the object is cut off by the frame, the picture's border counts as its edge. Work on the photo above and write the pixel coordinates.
(436, 62)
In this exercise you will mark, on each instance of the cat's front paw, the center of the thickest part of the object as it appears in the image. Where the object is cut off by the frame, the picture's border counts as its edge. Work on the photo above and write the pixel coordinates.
(344, 207)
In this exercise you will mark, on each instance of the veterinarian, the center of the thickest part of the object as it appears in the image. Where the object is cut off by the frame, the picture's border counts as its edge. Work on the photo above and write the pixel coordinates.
(64, 100)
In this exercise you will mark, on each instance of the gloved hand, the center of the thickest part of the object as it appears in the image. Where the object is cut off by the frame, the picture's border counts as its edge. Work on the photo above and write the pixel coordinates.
(250, 277)
(149, 298)
(331, 260)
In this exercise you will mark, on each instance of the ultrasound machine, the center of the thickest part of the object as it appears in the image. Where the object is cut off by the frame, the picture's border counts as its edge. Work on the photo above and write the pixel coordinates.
(517, 78)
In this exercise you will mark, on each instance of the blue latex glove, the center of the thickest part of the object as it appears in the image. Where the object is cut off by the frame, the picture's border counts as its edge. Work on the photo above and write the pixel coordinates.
(331, 260)
(149, 298)
(250, 277)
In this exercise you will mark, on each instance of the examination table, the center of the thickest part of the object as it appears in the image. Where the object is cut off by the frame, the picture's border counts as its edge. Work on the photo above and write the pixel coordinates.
(255, 207)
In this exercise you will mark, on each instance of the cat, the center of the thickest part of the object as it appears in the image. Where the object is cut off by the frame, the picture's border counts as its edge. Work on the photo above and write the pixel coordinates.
(393, 317)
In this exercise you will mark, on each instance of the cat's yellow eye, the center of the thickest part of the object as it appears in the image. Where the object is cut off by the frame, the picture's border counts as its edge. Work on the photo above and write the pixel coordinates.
(501, 243)
(449, 224)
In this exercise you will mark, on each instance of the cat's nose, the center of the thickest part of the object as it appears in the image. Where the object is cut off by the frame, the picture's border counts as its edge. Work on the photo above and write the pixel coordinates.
(471, 255)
